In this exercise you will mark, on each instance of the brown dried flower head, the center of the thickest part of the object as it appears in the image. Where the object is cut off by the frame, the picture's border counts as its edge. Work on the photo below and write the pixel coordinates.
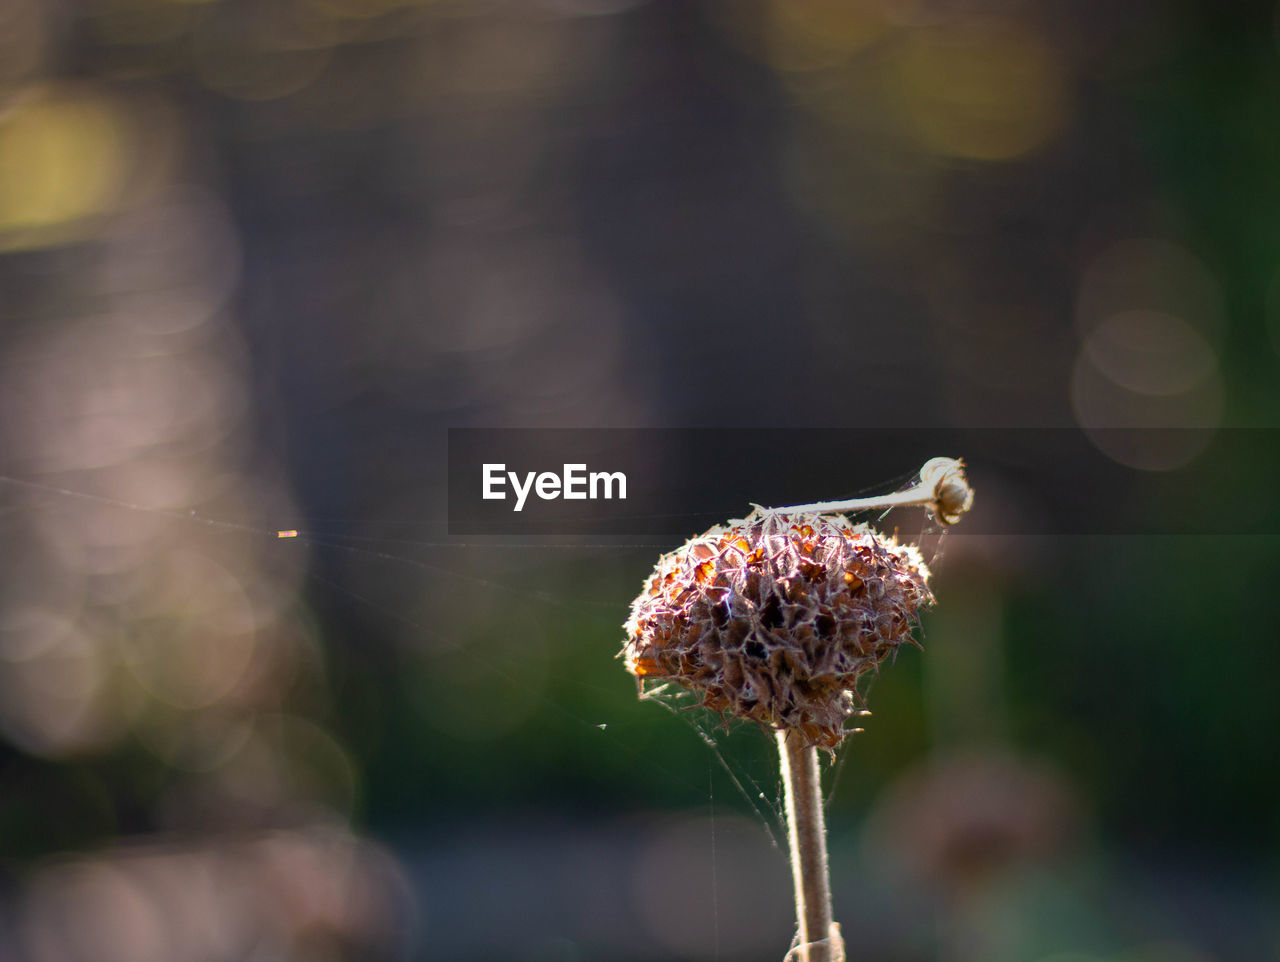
(776, 617)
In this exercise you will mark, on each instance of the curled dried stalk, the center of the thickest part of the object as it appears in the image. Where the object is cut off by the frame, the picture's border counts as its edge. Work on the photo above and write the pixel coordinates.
(942, 489)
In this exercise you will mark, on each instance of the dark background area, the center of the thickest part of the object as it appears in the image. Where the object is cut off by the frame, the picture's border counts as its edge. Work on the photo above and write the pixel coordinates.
(257, 258)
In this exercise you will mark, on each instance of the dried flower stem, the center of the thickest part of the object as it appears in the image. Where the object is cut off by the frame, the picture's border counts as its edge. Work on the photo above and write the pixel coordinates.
(773, 618)
(819, 937)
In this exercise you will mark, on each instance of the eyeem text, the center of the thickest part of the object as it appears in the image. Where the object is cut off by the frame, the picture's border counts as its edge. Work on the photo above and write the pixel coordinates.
(572, 484)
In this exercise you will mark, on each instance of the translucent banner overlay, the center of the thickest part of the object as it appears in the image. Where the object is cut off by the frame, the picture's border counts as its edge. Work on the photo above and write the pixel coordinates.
(1027, 481)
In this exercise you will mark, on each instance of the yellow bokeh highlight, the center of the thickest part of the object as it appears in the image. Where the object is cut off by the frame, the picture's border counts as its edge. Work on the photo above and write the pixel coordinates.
(980, 90)
(63, 157)
(801, 36)
(815, 34)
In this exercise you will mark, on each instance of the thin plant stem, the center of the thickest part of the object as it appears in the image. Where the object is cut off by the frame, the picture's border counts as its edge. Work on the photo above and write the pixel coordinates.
(819, 939)
(914, 496)
(942, 488)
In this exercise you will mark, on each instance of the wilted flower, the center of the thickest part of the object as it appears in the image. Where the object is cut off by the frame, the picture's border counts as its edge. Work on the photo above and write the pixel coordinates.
(776, 617)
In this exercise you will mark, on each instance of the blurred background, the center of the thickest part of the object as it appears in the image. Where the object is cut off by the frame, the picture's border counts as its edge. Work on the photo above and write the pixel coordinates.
(256, 256)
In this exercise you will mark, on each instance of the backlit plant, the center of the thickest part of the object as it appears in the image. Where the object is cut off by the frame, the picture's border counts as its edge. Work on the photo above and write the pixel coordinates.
(774, 619)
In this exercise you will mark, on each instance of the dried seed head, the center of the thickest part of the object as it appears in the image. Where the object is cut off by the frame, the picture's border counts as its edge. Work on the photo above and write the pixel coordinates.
(775, 618)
